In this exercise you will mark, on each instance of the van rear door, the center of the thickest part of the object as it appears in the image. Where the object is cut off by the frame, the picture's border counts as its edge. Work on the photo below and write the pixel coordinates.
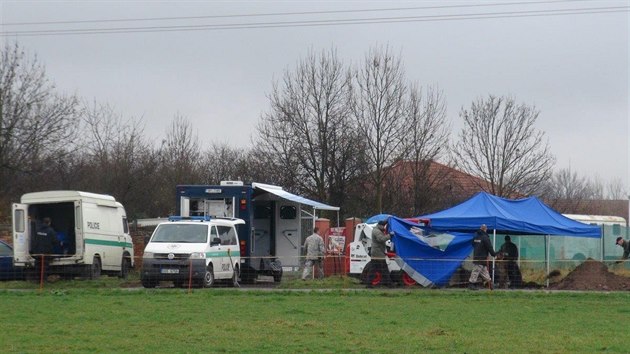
(21, 235)
(78, 229)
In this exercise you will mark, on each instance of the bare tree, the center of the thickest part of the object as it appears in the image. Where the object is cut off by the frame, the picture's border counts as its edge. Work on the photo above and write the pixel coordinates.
(500, 144)
(379, 109)
(223, 162)
(596, 187)
(308, 132)
(181, 152)
(121, 161)
(179, 163)
(37, 125)
(616, 190)
(567, 191)
(427, 137)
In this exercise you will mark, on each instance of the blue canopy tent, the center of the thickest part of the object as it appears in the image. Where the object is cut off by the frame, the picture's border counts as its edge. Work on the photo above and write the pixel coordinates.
(527, 216)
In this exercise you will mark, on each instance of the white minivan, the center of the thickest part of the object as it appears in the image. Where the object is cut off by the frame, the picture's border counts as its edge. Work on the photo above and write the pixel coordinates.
(196, 250)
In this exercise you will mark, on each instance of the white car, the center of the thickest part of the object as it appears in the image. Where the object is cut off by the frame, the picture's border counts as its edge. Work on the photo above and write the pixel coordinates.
(196, 250)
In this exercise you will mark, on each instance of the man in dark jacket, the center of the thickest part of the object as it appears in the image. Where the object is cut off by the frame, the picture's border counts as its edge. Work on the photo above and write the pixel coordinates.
(44, 243)
(509, 252)
(626, 248)
(481, 248)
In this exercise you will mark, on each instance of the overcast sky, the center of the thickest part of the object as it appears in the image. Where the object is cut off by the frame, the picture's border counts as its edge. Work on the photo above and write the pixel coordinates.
(572, 67)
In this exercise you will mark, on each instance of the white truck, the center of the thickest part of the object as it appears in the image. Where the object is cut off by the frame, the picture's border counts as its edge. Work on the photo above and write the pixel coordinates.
(359, 251)
(92, 230)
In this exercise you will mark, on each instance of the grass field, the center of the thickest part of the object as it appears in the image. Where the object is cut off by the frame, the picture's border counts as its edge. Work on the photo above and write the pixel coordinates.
(288, 321)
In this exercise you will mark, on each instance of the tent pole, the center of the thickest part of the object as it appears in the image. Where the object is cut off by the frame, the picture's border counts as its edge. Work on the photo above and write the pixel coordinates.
(601, 255)
(519, 252)
(547, 256)
(494, 246)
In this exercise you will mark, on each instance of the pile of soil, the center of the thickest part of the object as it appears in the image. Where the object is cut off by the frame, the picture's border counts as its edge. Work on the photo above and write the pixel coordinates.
(592, 275)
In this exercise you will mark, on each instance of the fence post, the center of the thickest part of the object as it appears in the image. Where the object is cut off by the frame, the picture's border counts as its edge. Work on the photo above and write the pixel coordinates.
(41, 273)
(190, 276)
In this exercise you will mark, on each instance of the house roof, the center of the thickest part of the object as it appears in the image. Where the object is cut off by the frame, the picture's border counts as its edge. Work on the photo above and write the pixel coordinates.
(444, 177)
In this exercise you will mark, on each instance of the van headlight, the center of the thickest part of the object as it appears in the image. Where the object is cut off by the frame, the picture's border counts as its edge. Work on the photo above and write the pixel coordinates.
(147, 255)
(197, 255)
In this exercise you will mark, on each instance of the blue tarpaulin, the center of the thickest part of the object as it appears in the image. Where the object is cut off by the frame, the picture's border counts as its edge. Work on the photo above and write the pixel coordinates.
(376, 218)
(527, 216)
(429, 258)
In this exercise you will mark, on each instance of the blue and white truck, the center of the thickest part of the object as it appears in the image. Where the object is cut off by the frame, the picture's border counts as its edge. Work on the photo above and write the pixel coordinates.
(276, 222)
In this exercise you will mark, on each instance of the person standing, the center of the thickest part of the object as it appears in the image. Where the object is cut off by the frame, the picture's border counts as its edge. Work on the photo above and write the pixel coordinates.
(314, 248)
(481, 248)
(626, 248)
(378, 257)
(44, 243)
(509, 251)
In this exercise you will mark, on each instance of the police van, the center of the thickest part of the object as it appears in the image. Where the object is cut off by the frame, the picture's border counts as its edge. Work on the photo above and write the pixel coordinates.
(91, 228)
(192, 250)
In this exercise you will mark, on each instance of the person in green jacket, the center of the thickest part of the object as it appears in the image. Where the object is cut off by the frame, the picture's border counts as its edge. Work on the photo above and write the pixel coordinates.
(626, 248)
(378, 257)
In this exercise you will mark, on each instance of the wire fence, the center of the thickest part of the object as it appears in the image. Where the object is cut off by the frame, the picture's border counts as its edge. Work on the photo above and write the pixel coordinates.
(566, 263)
(47, 271)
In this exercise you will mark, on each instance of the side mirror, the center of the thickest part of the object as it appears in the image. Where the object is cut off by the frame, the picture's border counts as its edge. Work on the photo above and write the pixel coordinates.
(215, 241)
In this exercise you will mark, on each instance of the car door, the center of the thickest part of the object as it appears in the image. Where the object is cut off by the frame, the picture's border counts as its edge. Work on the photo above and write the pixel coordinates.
(216, 253)
(6, 262)
(226, 234)
(232, 250)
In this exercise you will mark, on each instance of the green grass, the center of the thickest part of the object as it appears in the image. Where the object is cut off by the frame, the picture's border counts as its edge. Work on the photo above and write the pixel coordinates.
(222, 320)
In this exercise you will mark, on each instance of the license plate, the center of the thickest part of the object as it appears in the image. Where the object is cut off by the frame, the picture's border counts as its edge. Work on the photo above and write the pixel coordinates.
(170, 271)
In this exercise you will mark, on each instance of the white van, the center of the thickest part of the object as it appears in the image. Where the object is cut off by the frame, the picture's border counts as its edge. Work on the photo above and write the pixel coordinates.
(92, 228)
(192, 249)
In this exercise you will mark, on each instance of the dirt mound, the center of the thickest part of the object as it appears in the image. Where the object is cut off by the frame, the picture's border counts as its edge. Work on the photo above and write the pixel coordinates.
(592, 275)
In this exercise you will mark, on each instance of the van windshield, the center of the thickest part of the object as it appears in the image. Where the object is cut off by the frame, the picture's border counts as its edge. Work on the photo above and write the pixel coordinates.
(183, 233)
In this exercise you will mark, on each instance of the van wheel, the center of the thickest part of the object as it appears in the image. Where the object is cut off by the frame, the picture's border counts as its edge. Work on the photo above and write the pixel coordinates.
(125, 267)
(277, 276)
(179, 283)
(94, 270)
(248, 275)
(149, 284)
(208, 278)
(378, 277)
(407, 280)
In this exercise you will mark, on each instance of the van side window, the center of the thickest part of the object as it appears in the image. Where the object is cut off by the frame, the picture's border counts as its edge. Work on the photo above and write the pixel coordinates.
(18, 219)
(125, 225)
(213, 233)
(77, 217)
(227, 235)
(233, 236)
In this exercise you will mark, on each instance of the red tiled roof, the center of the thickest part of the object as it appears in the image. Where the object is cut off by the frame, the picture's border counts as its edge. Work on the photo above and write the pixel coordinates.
(443, 177)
